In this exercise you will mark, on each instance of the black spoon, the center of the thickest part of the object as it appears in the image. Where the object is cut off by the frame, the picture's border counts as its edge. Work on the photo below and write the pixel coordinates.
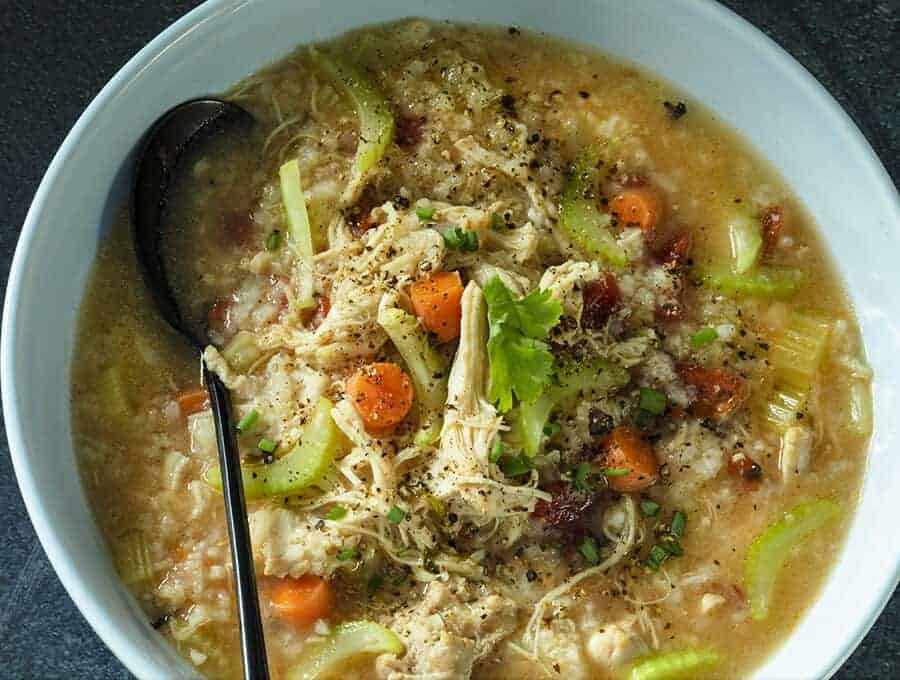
(165, 143)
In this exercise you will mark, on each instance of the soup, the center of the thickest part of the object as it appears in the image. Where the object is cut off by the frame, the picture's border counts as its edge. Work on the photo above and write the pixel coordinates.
(538, 371)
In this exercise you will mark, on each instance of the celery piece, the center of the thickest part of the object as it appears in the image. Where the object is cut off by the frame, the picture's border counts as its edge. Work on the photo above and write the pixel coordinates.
(679, 664)
(859, 398)
(426, 367)
(767, 282)
(298, 225)
(597, 377)
(301, 467)
(745, 235)
(772, 548)
(132, 558)
(242, 352)
(346, 643)
(795, 355)
(112, 392)
(579, 218)
(376, 122)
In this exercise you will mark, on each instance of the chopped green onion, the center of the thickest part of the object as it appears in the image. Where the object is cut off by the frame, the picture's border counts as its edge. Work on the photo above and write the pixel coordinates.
(514, 467)
(374, 583)
(337, 512)
(673, 547)
(424, 212)
(267, 445)
(436, 504)
(551, 429)
(496, 451)
(653, 401)
(459, 239)
(649, 508)
(616, 472)
(396, 515)
(497, 222)
(346, 554)
(273, 241)
(704, 336)
(247, 421)
(580, 476)
(676, 528)
(656, 557)
(588, 550)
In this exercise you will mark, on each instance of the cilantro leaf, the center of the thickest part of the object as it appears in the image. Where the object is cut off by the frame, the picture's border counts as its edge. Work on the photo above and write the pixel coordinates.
(520, 361)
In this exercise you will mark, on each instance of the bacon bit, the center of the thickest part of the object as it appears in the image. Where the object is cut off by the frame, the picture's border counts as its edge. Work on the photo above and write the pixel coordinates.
(677, 413)
(236, 227)
(601, 298)
(408, 130)
(568, 509)
(675, 251)
(743, 466)
(719, 391)
(772, 220)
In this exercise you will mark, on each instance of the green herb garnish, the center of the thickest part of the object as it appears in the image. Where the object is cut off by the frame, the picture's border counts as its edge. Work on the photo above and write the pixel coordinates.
(247, 421)
(459, 239)
(515, 467)
(616, 472)
(588, 549)
(551, 429)
(497, 222)
(580, 476)
(653, 401)
(679, 521)
(346, 554)
(274, 241)
(649, 508)
(267, 445)
(656, 557)
(496, 451)
(704, 336)
(396, 515)
(424, 213)
(337, 512)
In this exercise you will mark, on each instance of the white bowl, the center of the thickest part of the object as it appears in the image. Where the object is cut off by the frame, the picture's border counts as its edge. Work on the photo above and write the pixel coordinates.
(711, 53)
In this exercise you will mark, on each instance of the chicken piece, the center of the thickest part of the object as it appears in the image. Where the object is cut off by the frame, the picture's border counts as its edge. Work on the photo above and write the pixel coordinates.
(796, 451)
(616, 644)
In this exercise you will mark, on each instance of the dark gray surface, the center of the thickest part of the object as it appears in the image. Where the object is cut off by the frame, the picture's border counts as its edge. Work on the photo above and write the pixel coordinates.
(55, 56)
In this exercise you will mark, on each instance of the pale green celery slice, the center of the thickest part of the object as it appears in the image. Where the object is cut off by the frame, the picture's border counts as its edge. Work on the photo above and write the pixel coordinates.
(587, 380)
(745, 234)
(242, 352)
(298, 226)
(112, 392)
(376, 122)
(132, 558)
(766, 282)
(580, 219)
(300, 468)
(795, 355)
(860, 407)
(346, 643)
(772, 548)
(426, 367)
(679, 664)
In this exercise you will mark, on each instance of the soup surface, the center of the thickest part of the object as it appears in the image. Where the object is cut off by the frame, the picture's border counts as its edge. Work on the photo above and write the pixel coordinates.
(539, 372)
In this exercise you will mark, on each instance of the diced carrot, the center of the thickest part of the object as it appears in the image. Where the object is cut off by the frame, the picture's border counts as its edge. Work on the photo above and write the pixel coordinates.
(382, 394)
(436, 300)
(641, 206)
(302, 601)
(625, 449)
(743, 466)
(192, 400)
(674, 251)
(718, 390)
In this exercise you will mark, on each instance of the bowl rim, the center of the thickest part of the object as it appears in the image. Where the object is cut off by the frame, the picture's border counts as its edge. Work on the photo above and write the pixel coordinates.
(87, 603)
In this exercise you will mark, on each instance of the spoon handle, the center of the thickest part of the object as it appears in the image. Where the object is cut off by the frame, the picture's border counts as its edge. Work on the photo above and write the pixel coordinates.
(253, 646)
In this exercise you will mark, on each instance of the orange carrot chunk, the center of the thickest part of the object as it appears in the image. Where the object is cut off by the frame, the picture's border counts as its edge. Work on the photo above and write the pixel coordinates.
(191, 401)
(628, 460)
(436, 301)
(302, 601)
(640, 206)
(382, 394)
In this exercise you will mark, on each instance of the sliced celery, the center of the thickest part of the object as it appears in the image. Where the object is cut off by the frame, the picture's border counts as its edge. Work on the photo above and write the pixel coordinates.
(112, 393)
(298, 223)
(242, 352)
(745, 234)
(376, 122)
(795, 355)
(680, 664)
(771, 549)
(132, 558)
(585, 226)
(860, 407)
(593, 378)
(772, 282)
(426, 367)
(301, 467)
(346, 643)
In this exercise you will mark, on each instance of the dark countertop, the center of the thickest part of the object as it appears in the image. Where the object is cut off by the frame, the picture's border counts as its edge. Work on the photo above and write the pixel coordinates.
(55, 56)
